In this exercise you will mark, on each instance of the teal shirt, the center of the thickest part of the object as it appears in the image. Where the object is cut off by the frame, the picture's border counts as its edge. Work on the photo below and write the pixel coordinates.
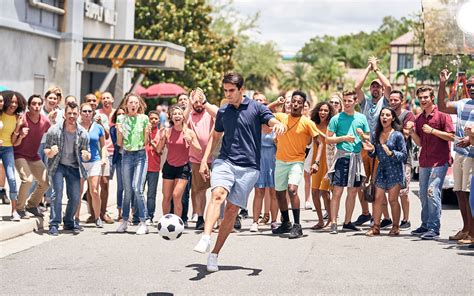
(343, 124)
(133, 131)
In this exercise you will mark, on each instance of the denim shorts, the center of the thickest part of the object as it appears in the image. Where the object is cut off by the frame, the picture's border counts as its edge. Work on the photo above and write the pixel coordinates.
(236, 180)
(341, 173)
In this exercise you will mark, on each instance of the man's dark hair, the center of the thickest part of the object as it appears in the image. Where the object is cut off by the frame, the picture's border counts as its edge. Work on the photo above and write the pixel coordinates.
(233, 78)
(71, 105)
(397, 92)
(154, 112)
(425, 88)
(34, 97)
(299, 93)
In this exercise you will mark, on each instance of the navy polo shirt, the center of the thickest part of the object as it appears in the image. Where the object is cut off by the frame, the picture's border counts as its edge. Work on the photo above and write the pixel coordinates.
(242, 129)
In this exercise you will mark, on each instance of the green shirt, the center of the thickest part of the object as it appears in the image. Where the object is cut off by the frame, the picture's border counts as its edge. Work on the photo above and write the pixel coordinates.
(133, 131)
(343, 124)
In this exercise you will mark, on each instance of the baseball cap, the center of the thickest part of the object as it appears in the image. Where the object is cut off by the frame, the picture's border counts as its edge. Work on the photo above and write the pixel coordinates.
(376, 81)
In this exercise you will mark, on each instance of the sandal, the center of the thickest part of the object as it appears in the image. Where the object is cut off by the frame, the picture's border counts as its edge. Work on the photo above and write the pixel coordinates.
(317, 226)
(374, 231)
(265, 219)
(394, 231)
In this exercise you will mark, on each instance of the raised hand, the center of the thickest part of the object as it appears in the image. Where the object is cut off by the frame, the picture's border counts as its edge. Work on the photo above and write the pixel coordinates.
(444, 75)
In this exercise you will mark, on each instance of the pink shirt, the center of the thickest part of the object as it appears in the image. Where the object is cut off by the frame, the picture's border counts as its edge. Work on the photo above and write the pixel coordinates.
(201, 124)
(434, 151)
(108, 142)
(178, 150)
(28, 149)
(154, 160)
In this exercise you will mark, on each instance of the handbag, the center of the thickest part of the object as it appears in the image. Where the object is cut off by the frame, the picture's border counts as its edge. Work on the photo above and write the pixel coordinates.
(369, 188)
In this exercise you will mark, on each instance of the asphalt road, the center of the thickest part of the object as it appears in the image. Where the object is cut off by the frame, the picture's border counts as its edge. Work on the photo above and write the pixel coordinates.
(100, 261)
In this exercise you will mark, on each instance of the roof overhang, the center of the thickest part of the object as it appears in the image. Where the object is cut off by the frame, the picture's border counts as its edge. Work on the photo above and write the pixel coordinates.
(134, 54)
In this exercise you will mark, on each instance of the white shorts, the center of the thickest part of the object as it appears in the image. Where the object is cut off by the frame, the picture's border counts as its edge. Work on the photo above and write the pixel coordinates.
(462, 172)
(93, 168)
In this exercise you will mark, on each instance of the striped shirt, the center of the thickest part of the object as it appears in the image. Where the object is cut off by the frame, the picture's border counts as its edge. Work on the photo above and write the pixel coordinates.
(465, 112)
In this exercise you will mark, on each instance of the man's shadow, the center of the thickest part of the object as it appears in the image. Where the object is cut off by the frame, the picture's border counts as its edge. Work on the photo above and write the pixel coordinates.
(202, 270)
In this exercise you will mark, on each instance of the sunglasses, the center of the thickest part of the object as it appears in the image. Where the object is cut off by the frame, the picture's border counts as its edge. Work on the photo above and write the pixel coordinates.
(469, 85)
(86, 111)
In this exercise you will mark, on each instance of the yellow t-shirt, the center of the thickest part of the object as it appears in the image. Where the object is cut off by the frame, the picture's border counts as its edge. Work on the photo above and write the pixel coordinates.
(9, 124)
(292, 144)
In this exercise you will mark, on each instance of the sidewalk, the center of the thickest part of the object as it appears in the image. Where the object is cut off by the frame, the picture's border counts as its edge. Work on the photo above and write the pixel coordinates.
(10, 229)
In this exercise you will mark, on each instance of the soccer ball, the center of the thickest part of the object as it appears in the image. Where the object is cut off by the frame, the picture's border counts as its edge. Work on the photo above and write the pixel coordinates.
(170, 227)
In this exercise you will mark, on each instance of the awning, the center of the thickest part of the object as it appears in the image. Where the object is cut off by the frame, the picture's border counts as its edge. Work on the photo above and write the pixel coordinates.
(133, 54)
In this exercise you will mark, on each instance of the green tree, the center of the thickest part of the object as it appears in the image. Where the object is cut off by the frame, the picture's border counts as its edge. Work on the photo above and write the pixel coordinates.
(327, 72)
(186, 23)
(301, 77)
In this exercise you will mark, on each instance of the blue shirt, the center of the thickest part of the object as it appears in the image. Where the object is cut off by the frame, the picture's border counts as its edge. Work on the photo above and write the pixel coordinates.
(465, 112)
(372, 111)
(242, 132)
(95, 132)
(343, 124)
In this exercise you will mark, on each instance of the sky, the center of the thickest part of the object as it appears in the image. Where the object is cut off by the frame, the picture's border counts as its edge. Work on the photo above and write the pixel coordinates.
(291, 23)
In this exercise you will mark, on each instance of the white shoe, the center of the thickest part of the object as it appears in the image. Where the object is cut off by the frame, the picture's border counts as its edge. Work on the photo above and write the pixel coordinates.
(254, 227)
(142, 229)
(122, 226)
(308, 205)
(289, 206)
(194, 218)
(212, 263)
(149, 222)
(15, 217)
(204, 244)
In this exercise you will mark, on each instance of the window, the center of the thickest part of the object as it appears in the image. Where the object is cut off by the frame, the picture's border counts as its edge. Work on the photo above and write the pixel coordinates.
(405, 61)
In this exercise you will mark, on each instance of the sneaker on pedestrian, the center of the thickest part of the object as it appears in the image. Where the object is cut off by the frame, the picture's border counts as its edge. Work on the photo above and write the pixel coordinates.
(362, 219)
(405, 225)
(254, 227)
(238, 223)
(90, 220)
(212, 263)
(122, 226)
(333, 228)
(35, 212)
(430, 235)
(350, 226)
(419, 231)
(194, 218)
(15, 217)
(142, 229)
(200, 224)
(4, 197)
(326, 216)
(75, 229)
(244, 214)
(273, 225)
(296, 231)
(149, 222)
(386, 223)
(185, 224)
(53, 230)
(204, 244)
(23, 214)
(285, 227)
(308, 206)
(459, 235)
(99, 223)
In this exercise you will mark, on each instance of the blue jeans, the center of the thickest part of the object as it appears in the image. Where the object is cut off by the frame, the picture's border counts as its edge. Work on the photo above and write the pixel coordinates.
(152, 181)
(118, 170)
(73, 191)
(49, 193)
(6, 153)
(431, 183)
(134, 166)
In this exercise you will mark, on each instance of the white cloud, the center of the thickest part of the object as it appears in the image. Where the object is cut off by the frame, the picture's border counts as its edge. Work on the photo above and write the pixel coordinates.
(291, 23)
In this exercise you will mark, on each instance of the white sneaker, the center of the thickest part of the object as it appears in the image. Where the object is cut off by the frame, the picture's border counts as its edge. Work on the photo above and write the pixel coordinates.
(204, 244)
(122, 226)
(149, 222)
(15, 217)
(194, 218)
(142, 229)
(308, 205)
(254, 227)
(212, 263)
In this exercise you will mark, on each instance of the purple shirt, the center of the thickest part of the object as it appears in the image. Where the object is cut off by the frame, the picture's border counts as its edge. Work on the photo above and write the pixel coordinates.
(434, 150)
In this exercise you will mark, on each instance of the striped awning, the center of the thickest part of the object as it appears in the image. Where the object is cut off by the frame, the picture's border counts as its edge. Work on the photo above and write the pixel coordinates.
(133, 53)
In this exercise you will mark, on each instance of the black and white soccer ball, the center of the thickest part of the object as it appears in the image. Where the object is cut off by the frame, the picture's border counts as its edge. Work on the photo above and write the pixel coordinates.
(170, 227)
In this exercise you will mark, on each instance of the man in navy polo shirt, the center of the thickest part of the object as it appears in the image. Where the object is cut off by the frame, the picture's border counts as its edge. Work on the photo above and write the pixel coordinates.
(236, 170)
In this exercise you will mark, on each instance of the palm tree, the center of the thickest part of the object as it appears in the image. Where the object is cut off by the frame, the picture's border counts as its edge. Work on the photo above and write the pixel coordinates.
(327, 71)
(301, 77)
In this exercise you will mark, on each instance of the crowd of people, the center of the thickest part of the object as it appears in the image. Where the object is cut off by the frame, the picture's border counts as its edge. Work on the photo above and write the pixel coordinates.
(246, 144)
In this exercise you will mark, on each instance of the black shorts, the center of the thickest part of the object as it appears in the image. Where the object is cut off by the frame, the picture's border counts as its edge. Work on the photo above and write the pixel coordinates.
(341, 173)
(171, 172)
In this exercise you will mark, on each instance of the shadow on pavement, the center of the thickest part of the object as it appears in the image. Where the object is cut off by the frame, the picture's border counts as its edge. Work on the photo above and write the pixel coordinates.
(159, 294)
(202, 270)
